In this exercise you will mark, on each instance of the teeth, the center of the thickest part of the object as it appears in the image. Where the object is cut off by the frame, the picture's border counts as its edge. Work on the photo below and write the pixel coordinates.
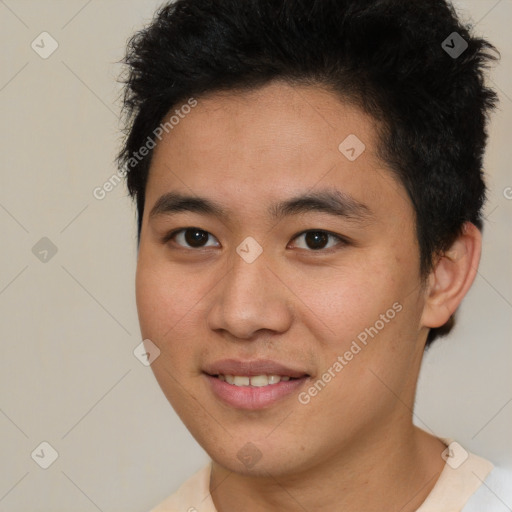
(274, 379)
(256, 380)
(240, 381)
(260, 381)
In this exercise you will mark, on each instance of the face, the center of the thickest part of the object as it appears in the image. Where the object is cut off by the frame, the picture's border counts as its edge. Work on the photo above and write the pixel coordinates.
(278, 274)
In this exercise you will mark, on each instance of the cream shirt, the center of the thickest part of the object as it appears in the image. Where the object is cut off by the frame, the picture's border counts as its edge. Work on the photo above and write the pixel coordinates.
(463, 475)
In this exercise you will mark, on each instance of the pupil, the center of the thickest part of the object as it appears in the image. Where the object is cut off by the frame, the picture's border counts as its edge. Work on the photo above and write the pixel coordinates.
(316, 239)
(195, 237)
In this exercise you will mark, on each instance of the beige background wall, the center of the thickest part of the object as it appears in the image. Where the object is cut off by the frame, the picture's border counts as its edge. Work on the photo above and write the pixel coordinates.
(69, 324)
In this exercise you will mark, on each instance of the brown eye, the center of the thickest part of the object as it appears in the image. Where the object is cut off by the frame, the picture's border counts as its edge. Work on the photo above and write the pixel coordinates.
(193, 238)
(196, 237)
(318, 240)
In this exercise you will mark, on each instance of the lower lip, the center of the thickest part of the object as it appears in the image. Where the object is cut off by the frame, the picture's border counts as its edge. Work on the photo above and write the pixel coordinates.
(251, 397)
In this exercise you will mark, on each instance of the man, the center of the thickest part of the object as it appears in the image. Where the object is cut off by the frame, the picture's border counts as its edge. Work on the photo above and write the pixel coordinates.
(308, 177)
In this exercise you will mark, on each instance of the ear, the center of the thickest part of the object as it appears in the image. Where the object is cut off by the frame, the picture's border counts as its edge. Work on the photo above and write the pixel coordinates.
(452, 277)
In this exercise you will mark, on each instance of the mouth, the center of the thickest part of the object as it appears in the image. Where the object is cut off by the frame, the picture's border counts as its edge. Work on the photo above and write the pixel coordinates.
(255, 384)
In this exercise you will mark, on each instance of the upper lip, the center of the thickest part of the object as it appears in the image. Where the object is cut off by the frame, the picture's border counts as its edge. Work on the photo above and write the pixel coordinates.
(251, 368)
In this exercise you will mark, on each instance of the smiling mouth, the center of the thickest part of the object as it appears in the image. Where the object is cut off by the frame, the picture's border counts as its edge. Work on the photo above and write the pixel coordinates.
(253, 385)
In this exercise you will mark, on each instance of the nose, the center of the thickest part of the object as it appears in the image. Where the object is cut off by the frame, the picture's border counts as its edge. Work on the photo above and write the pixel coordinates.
(250, 299)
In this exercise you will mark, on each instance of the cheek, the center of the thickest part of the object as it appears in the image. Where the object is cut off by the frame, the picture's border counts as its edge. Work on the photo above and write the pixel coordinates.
(164, 296)
(370, 318)
(347, 300)
(153, 300)
(166, 299)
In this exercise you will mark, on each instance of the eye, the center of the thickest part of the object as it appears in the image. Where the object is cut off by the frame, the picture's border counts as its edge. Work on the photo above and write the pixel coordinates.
(318, 240)
(191, 238)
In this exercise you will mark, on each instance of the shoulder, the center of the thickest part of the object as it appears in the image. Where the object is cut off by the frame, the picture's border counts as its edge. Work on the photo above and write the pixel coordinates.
(192, 496)
(468, 483)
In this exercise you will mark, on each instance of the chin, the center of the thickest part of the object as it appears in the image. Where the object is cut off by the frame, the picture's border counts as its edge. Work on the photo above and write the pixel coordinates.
(258, 458)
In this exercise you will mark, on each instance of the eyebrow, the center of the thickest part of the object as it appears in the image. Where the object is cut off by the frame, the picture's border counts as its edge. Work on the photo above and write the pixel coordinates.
(330, 201)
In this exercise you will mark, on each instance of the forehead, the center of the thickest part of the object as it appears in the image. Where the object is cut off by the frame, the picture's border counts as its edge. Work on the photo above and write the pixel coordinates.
(253, 147)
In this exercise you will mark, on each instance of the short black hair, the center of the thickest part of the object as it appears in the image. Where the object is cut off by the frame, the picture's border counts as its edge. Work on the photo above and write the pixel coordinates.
(411, 64)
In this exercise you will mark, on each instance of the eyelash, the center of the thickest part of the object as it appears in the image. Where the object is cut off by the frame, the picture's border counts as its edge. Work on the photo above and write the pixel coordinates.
(342, 241)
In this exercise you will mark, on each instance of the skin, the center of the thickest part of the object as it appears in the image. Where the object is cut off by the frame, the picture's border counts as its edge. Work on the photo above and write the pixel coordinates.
(353, 446)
